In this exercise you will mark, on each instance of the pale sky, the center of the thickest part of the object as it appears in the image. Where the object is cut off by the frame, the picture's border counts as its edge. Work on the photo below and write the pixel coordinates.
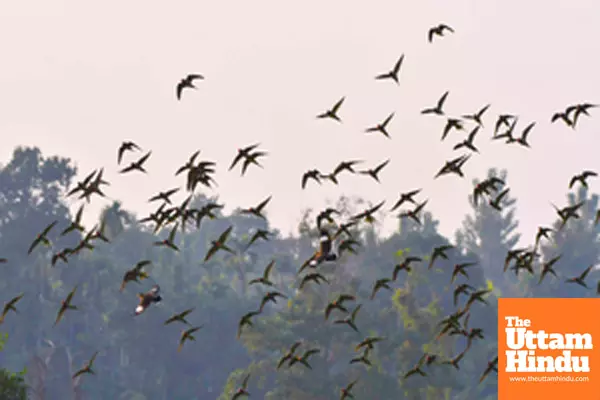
(77, 78)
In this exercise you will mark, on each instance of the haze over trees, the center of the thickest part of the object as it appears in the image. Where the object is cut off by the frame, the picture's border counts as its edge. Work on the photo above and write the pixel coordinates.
(138, 357)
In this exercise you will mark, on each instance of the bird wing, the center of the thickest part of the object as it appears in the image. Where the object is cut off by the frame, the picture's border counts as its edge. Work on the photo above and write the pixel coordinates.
(179, 89)
(225, 234)
(337, 105)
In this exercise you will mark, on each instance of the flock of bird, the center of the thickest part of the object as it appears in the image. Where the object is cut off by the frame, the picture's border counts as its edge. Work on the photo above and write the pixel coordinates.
(336, 237)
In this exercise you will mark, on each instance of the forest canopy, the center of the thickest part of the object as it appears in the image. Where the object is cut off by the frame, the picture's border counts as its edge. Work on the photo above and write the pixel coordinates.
(137, 357)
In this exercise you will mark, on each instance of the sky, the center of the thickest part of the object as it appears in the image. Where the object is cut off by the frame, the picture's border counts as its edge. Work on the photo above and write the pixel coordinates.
(78, 78)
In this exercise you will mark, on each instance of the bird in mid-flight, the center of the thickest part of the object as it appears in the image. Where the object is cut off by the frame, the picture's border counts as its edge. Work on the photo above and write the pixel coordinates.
(332, 113)
(393, 74)
(151, 296)
(439, 31)
(187, 82)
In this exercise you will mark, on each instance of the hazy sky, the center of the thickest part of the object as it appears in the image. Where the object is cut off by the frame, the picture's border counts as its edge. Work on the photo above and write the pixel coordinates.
(78, 78)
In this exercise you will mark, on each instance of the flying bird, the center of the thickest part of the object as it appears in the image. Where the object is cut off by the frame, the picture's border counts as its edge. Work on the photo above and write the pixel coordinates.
(438, 31)
(580, 280)
(369, 342)
(468, 142)
(453, 166)
(346, 392)
(164, 196)
(351, 320)
(414, 213)
(76, 224)
(367, 215)
(270, 297)
(313, 174)
(374, 172)
(439, 252)
(126, 146)
(66, 305)
(406, 197)
(496, 203)
(252, 159)
(42, 238)
(381, 127)
(83, 185)
(304, 358)
(10, 306)
(246, 320)
(463, 288)
(146, 299)
(452, 123)
(547, 268)
(137, 165)
(460, 269)
(289, 354)
(523, 139)
(405, 265)
(580, 109)
(324, 252)
(492, 366)
(582, 178)
(135, 274)
(242, 153)
(477, 116)
(503, 120)
(380, 284)
(257, 211)
(219, 244)
(338, 304)
(264, 279)
(187, 82)
(393, 74)
(332, 113)
(186, 335)
(562, 116)
(170, 240)
(87, 368)
(438, 109)
(189, 164)
(314, 277)
(180, 317)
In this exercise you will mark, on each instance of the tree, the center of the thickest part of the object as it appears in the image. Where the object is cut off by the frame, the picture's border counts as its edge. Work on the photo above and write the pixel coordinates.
(138, 357)
(490, 234)
(115, 219)
(12, 385)
(576, 243)
(31, 192)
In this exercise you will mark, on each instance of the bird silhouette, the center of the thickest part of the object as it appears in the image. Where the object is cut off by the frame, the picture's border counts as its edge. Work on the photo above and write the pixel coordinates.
(438, 109)
(393, 74)
(381, 127)
(87, 368)
(146, 299)
(137, 165)
(187, 83)
(332, 113)
(126, 146)
(438, 30)
(10, 306)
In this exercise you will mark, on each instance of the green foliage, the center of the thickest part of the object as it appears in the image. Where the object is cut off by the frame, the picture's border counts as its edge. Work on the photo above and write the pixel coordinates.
(12, 385)
(138, 357)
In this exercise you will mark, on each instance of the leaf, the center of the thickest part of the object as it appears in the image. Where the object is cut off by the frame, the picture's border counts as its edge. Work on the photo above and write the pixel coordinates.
(490, 284)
